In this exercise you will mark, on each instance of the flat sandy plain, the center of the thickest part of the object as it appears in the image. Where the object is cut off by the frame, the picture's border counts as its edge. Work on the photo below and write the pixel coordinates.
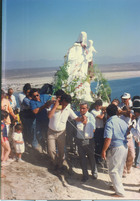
(17, 78)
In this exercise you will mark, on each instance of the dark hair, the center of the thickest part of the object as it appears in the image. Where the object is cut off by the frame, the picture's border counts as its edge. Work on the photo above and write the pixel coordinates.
(92, 106)
(98, 102)
(111, 110)
(18, 127)
(116, 100)
(33, 90)
(16, 111)
(26, 90)
(66, 97)
(26, 87)
(137, 110)
(59, 92)
(4, 114)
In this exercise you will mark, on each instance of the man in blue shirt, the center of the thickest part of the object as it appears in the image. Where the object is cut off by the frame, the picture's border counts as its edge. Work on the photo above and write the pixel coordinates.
(115, 142)
(38, 105)
(85, 142)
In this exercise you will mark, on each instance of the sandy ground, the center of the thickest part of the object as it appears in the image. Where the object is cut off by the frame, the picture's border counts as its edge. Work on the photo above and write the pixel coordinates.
(121, 75)
(34, 179)
(17, 84)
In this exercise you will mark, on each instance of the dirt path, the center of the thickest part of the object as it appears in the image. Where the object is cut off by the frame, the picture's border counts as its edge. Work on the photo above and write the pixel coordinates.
(34, 179)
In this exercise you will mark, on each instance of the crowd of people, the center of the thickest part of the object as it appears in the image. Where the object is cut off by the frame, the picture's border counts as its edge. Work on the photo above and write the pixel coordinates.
(99, 133)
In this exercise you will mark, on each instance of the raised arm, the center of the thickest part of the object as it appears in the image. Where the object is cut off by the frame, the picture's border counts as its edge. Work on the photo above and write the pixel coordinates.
(39, 109)
(51, 113)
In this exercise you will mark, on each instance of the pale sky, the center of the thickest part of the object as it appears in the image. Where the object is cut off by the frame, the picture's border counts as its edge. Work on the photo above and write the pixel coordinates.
(35, 30)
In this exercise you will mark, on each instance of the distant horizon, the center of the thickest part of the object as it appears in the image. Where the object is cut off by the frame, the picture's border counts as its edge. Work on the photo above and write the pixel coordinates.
(55, 67)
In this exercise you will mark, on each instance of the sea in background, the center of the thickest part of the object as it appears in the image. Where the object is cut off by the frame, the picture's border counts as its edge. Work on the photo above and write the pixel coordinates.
(118, 87)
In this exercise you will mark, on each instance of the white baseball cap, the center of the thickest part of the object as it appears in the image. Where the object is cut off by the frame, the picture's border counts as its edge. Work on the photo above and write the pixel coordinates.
(126, 96)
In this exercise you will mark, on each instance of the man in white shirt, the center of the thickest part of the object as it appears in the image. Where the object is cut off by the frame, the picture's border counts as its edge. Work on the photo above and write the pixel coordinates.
(85, 142)
(58, 116)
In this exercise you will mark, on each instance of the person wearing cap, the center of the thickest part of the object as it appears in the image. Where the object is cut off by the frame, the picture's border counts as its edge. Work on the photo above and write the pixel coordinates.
(126, 100)
(135, 130)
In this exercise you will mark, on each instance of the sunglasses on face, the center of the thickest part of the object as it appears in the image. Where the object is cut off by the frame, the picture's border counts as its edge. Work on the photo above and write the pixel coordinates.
(36, 95)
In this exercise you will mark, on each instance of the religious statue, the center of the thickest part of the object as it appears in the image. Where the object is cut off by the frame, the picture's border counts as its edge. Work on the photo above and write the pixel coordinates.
(78, 58)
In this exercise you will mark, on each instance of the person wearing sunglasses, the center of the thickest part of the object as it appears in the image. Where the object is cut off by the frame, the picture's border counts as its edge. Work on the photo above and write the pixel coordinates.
(38, 105)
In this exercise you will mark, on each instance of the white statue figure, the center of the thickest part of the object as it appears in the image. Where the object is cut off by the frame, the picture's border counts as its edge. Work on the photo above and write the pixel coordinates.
(77, 58)
(91, 50)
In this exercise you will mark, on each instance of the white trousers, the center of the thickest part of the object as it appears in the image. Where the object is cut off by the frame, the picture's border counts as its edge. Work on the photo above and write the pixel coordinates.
(116, 158)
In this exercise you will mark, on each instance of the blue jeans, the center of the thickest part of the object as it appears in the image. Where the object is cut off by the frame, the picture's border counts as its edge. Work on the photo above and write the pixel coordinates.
(39, 133)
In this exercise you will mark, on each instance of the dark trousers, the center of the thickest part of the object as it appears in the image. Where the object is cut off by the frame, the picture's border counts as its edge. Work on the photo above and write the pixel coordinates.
(99, 142)
(28, 129)
(84, 152)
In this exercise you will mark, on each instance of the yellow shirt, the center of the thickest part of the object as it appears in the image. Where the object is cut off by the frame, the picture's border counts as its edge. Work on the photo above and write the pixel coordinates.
(5, 105)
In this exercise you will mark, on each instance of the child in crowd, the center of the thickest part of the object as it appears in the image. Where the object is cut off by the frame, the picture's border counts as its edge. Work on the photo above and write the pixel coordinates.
(18, 142)
(4, 139)
(16, 112)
